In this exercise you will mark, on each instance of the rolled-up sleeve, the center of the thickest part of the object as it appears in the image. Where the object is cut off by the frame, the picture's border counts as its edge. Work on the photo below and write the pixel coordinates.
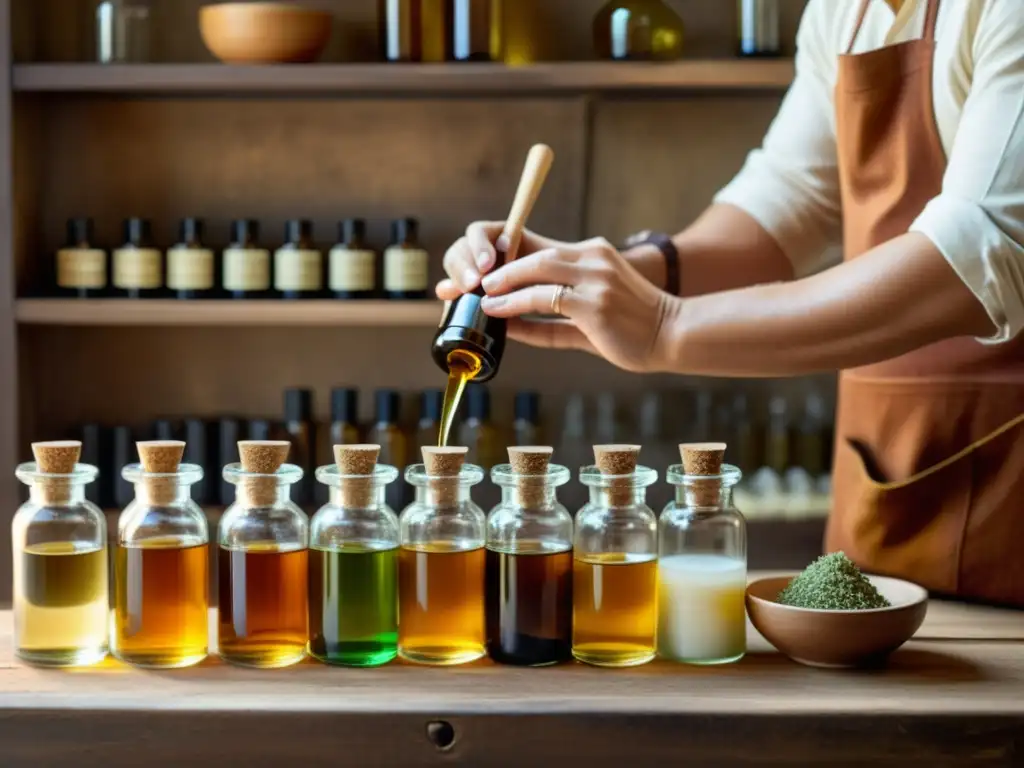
(790, 185)
(977, 222)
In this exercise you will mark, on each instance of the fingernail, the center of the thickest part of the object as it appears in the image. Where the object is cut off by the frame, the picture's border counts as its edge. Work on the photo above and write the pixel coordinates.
(469, 278)
(491, 282)
(503, 243)
(484, 261)
(492, 302)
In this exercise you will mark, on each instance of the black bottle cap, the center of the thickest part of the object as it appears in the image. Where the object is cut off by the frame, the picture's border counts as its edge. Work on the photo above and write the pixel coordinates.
(80, 231)
(245, 231)
(431, 404)
(298, 404)
(345, 405)
(259, 429)
(405, 230)
(352, 230)
(191, 230)
(527, 406)
(478, 402)
(389, 405)
(296, 230)
(138, 231)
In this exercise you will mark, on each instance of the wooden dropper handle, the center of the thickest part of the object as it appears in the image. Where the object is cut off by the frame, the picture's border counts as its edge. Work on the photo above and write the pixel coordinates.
(538, 163)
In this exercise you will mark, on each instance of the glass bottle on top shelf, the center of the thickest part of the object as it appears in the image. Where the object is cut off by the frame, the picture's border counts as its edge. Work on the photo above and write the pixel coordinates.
(263, 561)
(353, 567)
(298, 265)
(190, 264)
(246, 266)
(429, 425)
(615, 559)
(161, 572)
(60, 596)
(638, 30)
(477, 30)
(527, 426)
(352, 265)
(394, 445)
(529, 562)
(301, 432)
(758, 28)
(405, 262)
(436, 30)
(137, 265)
(123, 31)
(702, 562)
(401, 30)
(441, 616)
(81, 267)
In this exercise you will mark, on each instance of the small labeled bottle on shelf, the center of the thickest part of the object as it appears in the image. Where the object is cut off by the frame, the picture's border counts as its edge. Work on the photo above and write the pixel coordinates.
(246, 266)
(161, 572)
(263, 559)
(615, 561)
(298, 265)
(138, 266)
(441, 617)
(190, 267)
(405, 262)
(353, 566)
(702, 562)
(352, 267)
(81, 267)
(529, 562)
(60, 596)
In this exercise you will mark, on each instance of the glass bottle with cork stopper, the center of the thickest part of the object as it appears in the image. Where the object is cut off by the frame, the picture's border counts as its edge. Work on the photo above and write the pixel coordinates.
(615, 553)
(702, 562)
(138, 266)
(81, 266)
(353, 566)
(352, 265)
(529, 562)
(441, 563)
(246, 266)
(190, 268)
(298, 265)
(262, 561)
(60, 596)
(161, 572)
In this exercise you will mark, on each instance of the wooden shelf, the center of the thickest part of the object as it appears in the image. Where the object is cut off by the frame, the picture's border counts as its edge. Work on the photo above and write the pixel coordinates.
(418, 79)
(102, 312)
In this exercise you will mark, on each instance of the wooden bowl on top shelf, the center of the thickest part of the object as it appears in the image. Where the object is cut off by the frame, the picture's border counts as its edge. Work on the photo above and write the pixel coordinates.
(264, 33)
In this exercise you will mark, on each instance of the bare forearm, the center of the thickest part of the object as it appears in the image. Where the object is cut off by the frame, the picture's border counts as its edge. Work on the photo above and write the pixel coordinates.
(898, 297)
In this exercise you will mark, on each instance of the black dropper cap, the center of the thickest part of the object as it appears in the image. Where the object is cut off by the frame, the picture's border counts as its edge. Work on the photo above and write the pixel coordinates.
(405, 231)
(245, 231)
(478, 402)
(298, 405)
(296, 230)
(80, 231)
(527, 407)
(388, 406)
(431, 404)
(138, 231)
(352, 230)
(345, 405)
(191, 230)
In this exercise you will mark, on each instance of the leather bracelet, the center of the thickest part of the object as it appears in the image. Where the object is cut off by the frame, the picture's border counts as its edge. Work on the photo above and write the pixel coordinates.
(668, 249)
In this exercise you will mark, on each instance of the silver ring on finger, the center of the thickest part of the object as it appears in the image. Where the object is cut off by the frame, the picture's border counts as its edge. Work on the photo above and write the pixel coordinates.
(556, 298)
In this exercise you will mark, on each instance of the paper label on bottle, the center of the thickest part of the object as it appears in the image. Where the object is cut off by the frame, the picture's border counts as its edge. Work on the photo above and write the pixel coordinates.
(81, 268)
(189, 269)
(352, 270)
(138, 268)
(405, 269)
(296, 269)
(246, 269)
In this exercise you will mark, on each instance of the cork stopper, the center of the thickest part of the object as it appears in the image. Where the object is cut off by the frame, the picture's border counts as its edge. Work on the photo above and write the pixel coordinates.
(356, 460)
(618, 460)
(161, 457)
(443, 466)
(56, 458)
(261, 457)
(703, 459)
(531, 461)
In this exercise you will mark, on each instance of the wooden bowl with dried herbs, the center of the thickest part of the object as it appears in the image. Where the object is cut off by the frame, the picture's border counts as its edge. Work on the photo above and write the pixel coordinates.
(833, 616)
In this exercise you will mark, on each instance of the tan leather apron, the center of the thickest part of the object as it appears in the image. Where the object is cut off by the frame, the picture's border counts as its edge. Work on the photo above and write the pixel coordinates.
(929, 464)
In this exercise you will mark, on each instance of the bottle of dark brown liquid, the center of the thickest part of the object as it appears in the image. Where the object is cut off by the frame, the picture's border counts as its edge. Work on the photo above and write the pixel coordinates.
(401, 30)
(138, 266)
(246, 265)
(190, 268)
(476, 30)
(81, 268)
(394, 446)
(298, 423)
(298, 265)
(405, 262)
(352, 267)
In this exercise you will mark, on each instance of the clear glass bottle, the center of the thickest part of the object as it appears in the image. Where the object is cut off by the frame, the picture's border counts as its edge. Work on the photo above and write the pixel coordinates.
(529, 563)
(59, 540)
(702, 570)
(263, 560)
(123, 31)
(441, 563)
(615, 569)
(161, 572)
(638, 30)
(353, 566)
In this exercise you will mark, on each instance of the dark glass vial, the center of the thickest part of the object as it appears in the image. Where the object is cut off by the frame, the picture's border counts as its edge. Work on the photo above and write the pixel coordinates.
(298, 265)
(405, 263)
(81, 268)
(352, 268)
(298, 423)
(476, 30)
(137, 265)
(401, 30)
(759, 28)
(190, 267)
(246, 266)
(229, 432)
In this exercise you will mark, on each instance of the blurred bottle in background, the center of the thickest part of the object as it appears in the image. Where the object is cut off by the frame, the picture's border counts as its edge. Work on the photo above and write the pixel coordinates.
(527, 425)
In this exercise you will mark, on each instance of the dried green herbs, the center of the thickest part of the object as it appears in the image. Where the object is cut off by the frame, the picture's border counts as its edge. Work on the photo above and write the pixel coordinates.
(832, 583)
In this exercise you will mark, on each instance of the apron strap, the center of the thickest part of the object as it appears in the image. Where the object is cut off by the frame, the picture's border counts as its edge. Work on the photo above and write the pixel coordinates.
(860, 23)
(930, 18)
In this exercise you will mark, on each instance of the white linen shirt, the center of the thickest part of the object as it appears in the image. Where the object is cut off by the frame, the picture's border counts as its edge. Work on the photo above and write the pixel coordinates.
(790, 185)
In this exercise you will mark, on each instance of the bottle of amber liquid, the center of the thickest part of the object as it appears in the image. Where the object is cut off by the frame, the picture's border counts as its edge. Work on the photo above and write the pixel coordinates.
(615, 563)
(190, 269)
(81, 267)
(301, 430)
(529, 562)
(405, 263)
(298, 265)
(353, 566)
(352, 265)
(441, 616)
(138, 266)
(262, 561)
(60, 596)
(246, 266)
(394, 445)
(161, 572)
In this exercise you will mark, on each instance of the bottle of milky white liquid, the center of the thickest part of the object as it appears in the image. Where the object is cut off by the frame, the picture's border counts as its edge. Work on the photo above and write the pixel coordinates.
(702, 562)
